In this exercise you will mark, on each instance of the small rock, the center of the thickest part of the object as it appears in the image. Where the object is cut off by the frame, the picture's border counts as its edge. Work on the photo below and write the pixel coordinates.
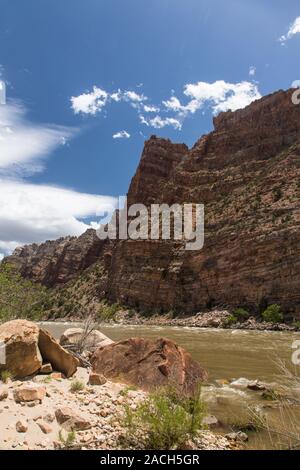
(45, 428)
(21, 426)
(29, 393)
(97, 379)
(256, 386)
(46, 369)
(56, 376)
(3, 394)
(210, 421)
(70, 420)
(237, 436)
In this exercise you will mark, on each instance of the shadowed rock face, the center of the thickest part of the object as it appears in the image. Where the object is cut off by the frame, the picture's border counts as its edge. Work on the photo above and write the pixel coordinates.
(149, 364)
(27, 346)
(247, 173)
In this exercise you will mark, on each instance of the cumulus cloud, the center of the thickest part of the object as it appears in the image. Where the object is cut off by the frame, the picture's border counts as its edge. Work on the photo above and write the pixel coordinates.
(293, 30)
(158, 122)
(35, 213)
(96, 100)
(90, 103)
(220, 96)
(23, 145)
(121, 135)
(29, 212)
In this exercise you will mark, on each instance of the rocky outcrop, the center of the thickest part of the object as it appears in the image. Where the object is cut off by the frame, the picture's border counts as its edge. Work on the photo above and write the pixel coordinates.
(27, 346)
(57, 262)
(246, 173)
(23, 357)
(89, 341)
(149, 364)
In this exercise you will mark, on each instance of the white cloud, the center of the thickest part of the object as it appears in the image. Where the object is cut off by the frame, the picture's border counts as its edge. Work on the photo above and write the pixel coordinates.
(133, 96)
(158, 122)
(294, 29)
(24, 145)
(29, 212)
(151, 109)
(220, 96)
(252, 71)
(121, 135)
(94, 101)
(90, 103)
(35, 213)
(240, 96)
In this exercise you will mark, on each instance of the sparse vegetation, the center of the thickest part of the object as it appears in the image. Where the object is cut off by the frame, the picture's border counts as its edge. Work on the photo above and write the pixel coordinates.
(166, 419)
(5, 375)
(296, 324)
(19, 298)
(107, 312)
(68, 440)
(241, 314)
(77, 386)
(273, 314)
(238, 315)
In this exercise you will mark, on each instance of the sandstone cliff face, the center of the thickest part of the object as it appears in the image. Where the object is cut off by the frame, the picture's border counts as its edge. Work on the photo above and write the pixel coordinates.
(247, 173)
(59, 261)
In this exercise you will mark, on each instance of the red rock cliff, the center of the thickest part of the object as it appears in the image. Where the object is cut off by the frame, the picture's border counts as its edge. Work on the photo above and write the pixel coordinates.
(247, 173)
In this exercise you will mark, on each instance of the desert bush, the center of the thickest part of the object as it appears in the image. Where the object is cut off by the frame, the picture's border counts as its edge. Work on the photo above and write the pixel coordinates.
(68, 440)
(77, 386)
(107, 312)
(296, 324)
(241, 314)
(273, 314)
(166, 419)
(5, 375)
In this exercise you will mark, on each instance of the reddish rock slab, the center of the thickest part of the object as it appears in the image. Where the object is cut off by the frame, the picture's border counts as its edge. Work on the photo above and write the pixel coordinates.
(148, 364)
(60, 359)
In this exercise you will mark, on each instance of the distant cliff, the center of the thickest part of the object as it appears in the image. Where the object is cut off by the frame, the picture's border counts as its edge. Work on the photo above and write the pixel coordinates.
(247, 173)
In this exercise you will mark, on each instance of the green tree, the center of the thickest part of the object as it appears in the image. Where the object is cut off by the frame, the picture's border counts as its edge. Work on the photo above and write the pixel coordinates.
(19, 298)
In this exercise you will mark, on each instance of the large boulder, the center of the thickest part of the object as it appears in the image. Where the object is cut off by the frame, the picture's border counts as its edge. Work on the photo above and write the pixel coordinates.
(52, 352)
(148, 364)
(27, 347)
(23, 357)
(94, 340)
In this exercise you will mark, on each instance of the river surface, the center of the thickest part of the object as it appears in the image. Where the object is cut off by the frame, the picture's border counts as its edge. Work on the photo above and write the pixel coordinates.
(226, 355)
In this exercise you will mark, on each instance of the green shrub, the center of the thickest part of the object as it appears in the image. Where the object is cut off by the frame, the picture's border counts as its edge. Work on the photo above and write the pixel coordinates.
(67, 441)
(5, 375)
(19, 298)
(77, 386)
(273, 314)
(296, 324)
(166, 419)
(231, 320)
(241, 314)
(108, 312)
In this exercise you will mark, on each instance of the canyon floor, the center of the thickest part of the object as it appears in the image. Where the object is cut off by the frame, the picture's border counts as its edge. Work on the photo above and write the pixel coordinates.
(96, 413)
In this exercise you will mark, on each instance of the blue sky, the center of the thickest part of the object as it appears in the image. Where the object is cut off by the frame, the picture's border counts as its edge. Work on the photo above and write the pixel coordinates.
(89, 80)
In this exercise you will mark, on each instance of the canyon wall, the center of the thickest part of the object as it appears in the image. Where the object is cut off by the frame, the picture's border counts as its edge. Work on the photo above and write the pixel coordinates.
(247, 173)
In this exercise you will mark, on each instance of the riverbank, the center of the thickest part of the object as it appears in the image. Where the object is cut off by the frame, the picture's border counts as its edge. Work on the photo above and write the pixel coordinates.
(89, 419)
(210, 319)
